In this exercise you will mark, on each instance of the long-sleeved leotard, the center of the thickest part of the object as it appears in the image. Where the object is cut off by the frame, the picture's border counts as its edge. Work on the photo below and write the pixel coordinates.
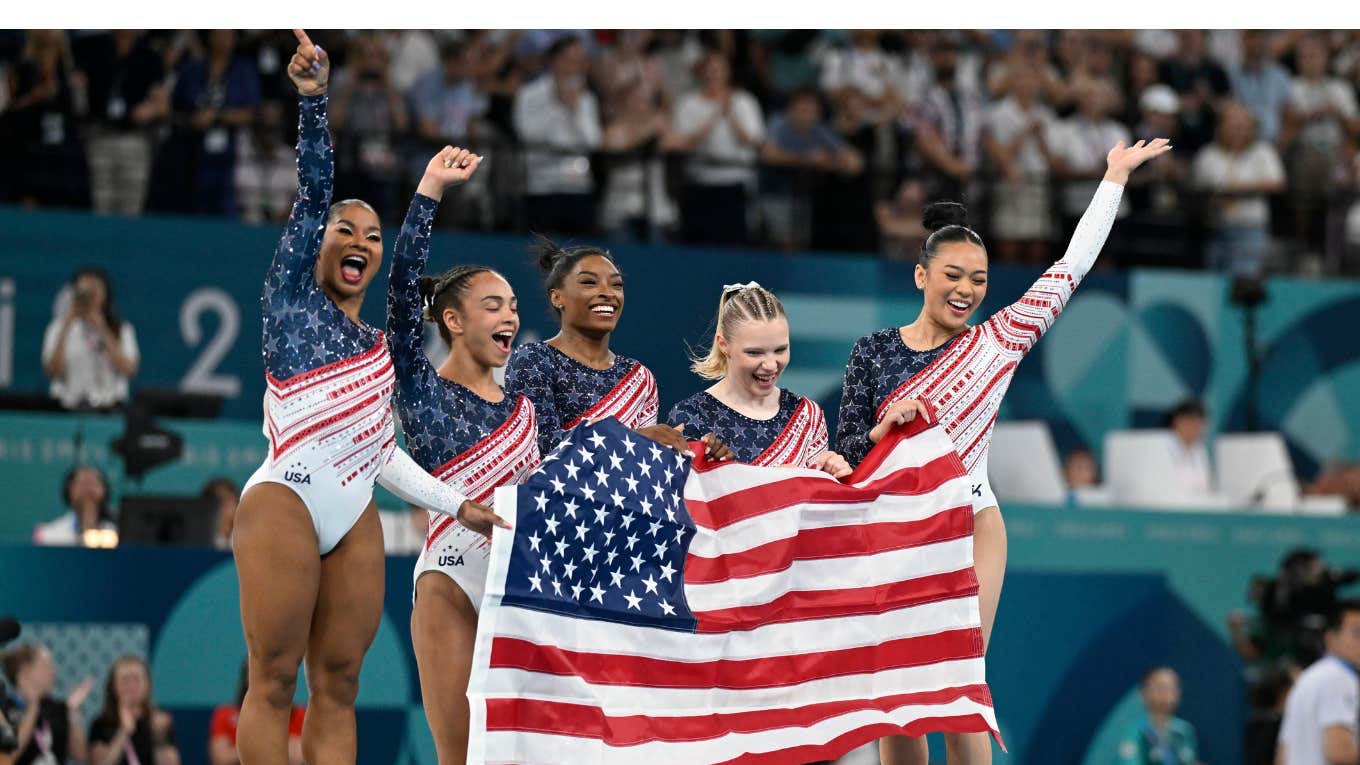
(966, 378)
(329, 380)
(565, 391)
(472, 444)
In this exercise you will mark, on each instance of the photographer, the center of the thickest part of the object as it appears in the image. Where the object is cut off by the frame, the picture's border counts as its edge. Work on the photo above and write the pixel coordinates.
(89, 352)
(1298, 601)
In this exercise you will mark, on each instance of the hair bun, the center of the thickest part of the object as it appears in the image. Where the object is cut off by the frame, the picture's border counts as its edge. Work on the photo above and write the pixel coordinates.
(547, 252)
(938, 215)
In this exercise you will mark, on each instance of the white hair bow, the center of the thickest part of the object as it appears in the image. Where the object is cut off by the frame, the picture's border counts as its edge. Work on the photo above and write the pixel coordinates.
(738, 287)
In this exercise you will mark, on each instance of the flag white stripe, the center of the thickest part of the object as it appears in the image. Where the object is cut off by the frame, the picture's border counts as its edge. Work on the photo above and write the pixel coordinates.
(834, 574)
(777, 639)
(531, 748)
(783, 524)
(666, 702)
(920, 450)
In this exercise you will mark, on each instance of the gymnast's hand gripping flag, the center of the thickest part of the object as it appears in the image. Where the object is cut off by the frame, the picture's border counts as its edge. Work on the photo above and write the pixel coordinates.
(646, 612)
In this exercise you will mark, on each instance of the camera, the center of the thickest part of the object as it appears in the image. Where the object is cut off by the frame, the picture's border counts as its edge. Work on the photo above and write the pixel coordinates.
(1295, 603)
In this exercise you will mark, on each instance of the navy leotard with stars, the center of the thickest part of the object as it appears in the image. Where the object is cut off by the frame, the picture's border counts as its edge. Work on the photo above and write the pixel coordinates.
(303, 328)
(879, 363)
(748, 438)
(561, 387)
(441, 418)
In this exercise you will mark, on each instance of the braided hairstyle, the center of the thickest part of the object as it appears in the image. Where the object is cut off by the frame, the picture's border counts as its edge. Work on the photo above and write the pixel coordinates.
(737, 304)
(447, 290)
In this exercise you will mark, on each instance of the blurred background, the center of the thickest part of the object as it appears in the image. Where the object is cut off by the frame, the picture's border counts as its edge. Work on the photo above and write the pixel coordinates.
(1178, 461)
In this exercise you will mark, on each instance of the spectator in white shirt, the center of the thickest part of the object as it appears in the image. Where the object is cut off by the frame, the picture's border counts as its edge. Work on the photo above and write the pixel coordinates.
(89, 352)
(1320, 714)
(86, 491)
(1079, 157)
(1018, 137)
(1237, 171)
(722, 128)
(866, 67)
(1188, 422)
(558, 119)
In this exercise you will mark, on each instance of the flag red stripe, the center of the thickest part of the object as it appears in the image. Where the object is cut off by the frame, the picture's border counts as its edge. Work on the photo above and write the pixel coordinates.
(587, 721)
(768, 497)
(831, 542)
(859, 601)
(971, 723)
(736, 674)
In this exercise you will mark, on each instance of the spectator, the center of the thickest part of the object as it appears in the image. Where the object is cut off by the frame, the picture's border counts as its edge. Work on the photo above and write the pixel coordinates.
(128, 102)
(636, 204)
(445, 100)
(798, 148)
(1081, 143)
(785, 60)
(46, 161)
(227, 496)
(1020, 131)
(222, 728)
(413, 53)
(266, 169)
(631, 69)
(1082, 476)
(1237, 172)
(367, 116)
(50, 730)
(945, 128)
(1320, 121)
(1200, 83)
(130, 729)
(843, 207)
(404, 532)
(1140, 76)
(215, 94)
(722, 127)
(899, 222)
(557, 119)
(89, 351)
(1319, 726)
(1161, 229)
(1187, 422)
(1160, 738)
(865, 66)
(1261, 83)
(86, 491)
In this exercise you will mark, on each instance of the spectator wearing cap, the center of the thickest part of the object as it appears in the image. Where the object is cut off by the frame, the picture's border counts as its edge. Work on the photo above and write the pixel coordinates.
(558, 120)
(1237, 172)
(1162, 228)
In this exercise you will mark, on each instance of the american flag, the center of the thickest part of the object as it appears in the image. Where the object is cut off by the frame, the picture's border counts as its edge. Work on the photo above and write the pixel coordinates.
(646, 611)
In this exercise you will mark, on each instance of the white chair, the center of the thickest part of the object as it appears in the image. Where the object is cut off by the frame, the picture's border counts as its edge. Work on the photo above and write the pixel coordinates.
(1254, 470)
(1140, 469)
(1023, 463)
